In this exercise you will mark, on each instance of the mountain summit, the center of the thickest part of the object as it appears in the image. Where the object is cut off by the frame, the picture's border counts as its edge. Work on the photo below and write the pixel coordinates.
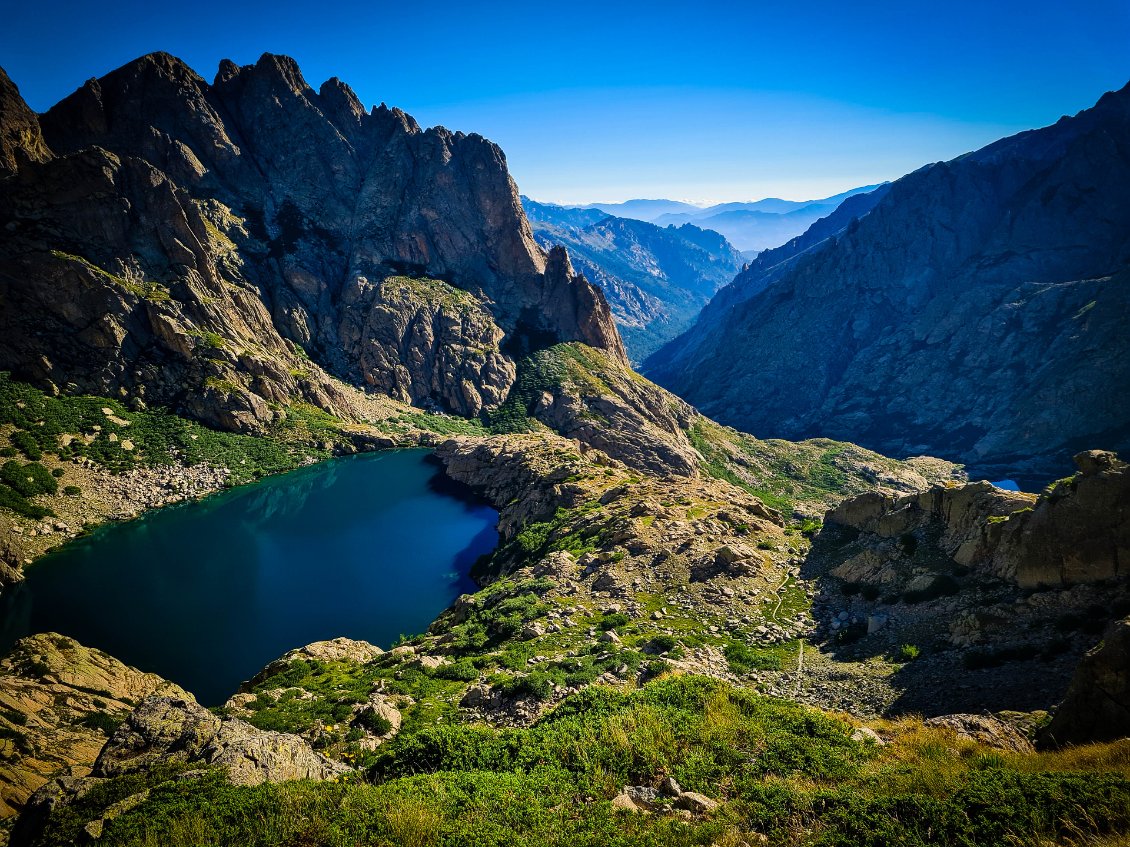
(977, 312)
(241, 238)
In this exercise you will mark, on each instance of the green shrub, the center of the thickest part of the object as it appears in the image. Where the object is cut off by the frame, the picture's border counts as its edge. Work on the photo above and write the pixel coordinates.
(104, 722)
(28, 480)
(460, 671)
(26, 443)
(614, 620)
(743, 658)
(907, 653)
(373, 721)
(19, 504)
(72, 490)
(538, 685)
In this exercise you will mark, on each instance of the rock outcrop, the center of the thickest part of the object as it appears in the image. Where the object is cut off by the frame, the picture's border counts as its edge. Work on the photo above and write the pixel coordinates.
(20, 137)
(333, 650)
(178, 729)
(58, 702)
(1097, 707)
(975, 313)
(984, 729)
(1076, 532)
(231, 248)
(172, 731)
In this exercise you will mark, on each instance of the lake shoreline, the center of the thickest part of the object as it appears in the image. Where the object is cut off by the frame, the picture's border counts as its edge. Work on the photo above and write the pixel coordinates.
(299, 557)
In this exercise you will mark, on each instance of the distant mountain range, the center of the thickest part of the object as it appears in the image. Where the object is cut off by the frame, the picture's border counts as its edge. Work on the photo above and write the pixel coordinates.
(656, 278)
(975, 310)
(756, 225)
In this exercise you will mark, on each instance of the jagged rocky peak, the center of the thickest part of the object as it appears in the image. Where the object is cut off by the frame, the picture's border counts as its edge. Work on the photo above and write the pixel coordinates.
(315, 164)
(20, 137)
(284, 212)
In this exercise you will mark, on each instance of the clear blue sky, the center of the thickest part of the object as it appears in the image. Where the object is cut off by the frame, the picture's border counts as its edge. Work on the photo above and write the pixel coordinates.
(605, 101)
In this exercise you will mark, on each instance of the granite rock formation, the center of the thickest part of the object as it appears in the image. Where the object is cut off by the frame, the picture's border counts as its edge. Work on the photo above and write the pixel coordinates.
(20, 137)
(1076, 532)
(58, 702)
(178, 729)
(227, 249)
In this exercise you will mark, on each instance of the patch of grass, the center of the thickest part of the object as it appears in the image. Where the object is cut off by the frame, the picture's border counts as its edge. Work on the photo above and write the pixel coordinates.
(443, 424)
(143, 288)
(743, 658)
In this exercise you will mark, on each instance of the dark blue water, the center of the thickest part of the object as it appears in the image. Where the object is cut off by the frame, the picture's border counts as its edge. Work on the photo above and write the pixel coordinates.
(207, 593)
(1007, 485)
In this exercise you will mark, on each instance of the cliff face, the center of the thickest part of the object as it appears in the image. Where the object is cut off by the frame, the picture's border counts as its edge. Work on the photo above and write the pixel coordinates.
(234, 240)
(1076, 532)
(975, 313)
(20, 136)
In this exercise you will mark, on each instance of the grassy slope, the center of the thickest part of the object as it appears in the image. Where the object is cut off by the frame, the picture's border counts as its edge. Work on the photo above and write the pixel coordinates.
(786, 775)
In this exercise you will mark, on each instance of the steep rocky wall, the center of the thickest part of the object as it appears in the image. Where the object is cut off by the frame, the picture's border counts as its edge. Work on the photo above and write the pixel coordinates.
(21, 139)
(975, 313)
(221, 248)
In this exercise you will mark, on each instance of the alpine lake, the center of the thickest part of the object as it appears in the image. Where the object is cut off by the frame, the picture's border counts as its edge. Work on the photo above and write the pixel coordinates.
(206, 593)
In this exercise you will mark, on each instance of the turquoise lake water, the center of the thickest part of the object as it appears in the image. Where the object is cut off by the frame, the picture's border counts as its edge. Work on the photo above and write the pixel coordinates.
(207, 593)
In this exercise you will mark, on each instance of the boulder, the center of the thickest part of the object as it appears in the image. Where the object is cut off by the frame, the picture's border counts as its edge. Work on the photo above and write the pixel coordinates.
(163, 729)
(1097, 706)
(986, 730)
(695, 803)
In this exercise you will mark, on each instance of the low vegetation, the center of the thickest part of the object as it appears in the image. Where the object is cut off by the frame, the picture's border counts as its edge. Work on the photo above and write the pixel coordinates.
(785, 774)
(44, 429)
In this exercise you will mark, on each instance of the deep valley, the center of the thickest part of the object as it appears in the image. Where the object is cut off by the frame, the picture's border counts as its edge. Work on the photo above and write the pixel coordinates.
(334, 511)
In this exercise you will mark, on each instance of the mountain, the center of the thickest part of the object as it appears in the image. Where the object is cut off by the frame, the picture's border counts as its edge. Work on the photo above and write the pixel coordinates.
(976, 312)
(763, 224)
(756, 225)
(642, 210)
(230, 248)
(656, 279)
(280, 261)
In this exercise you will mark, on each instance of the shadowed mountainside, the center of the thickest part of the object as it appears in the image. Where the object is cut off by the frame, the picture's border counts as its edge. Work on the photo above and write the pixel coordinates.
(976, 312)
